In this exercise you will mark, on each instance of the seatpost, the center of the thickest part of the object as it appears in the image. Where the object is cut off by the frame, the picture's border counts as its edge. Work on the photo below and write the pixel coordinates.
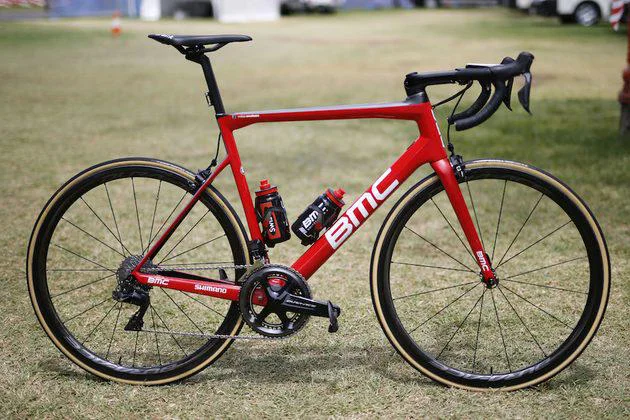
(213, 89)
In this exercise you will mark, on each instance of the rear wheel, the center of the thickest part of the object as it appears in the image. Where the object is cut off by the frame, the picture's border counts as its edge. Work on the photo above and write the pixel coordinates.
(100, 222)
(551, 263)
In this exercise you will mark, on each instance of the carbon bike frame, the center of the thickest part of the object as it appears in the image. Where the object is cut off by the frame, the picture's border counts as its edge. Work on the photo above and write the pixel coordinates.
(427, 148)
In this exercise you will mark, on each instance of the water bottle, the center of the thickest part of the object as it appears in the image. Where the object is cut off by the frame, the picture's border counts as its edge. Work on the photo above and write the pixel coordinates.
(271, 214)
(321, 214)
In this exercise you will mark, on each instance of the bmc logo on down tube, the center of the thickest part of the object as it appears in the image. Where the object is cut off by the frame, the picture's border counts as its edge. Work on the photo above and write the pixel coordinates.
(360, 210)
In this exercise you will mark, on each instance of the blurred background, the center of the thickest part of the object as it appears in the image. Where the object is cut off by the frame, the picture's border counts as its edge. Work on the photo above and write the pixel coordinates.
(582, 12)
(81, 83)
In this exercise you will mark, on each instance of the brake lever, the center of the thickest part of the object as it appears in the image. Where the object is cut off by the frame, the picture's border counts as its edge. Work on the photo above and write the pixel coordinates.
(523, 93)
(507, 99)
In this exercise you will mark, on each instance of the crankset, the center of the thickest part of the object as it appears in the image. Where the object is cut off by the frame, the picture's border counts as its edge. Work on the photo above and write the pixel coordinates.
(276, 301)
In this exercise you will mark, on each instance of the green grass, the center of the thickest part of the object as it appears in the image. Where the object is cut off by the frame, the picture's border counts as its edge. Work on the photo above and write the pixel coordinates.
(73, 96)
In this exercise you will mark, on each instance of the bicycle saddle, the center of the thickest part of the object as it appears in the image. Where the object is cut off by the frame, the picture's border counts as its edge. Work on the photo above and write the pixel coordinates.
(193, 40)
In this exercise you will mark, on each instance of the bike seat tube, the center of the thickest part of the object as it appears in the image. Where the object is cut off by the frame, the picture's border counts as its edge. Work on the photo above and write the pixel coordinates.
(213, 88)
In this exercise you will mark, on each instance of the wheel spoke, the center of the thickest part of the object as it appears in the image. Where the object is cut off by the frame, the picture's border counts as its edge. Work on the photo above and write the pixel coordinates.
(82, 286)
(537, 307)
(472, 202)
(478, 328)
(157, 198)
(193, 248)
(88, 309)
(522, 322)
(111, 339)
(98, 324)
(104, 224)
(169, 330)
(437, 267)
(182, 311)
(459, 327)
(436, 290)
(201, 303)
(135, 350)
(545, 286)
(185, 235)
(496, 232)
(111, 207)
(168, 217)
(496, 313)
(157, 344)
(135, 201)
(534, 243)
(520, 229)
(84, 258)
(92, 236)
(449, 304)
(453, 229)
(439, 249)
(542, 268)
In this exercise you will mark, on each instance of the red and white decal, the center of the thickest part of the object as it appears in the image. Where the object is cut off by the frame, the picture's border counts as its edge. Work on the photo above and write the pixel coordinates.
(483, 263)
(360, 210)
(157, 281)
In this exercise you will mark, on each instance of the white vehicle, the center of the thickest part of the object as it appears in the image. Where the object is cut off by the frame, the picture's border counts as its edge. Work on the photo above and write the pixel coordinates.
(583, 12)
(324, 6)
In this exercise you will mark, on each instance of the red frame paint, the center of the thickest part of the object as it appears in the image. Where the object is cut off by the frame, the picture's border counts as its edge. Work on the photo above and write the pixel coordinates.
(427, 148)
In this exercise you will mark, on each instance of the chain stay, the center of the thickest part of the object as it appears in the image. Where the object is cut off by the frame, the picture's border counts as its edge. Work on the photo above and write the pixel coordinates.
(248, 267)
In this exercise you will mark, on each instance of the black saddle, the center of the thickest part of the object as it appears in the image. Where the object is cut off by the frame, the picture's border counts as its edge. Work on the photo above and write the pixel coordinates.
(198, 41)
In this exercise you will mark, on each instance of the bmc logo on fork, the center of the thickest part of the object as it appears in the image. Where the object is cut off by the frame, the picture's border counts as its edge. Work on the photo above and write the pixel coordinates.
(483, 263)
(350, 220)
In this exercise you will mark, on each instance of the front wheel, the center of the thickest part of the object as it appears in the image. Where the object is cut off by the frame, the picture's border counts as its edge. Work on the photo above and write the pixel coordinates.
(550, 259)
(93, 231)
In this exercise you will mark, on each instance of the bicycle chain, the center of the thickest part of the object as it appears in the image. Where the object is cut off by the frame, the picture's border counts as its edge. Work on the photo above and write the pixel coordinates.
(201, 267)
(158, 269)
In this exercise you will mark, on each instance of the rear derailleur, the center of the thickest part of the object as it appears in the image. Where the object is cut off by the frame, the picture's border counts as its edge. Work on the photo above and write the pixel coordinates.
(128, 290)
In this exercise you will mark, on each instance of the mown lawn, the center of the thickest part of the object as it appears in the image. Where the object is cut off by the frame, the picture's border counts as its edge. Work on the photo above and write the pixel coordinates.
(72, 96)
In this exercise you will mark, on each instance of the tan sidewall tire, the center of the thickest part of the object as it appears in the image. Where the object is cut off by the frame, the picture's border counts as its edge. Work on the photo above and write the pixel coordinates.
(430, 180)
(218, 199)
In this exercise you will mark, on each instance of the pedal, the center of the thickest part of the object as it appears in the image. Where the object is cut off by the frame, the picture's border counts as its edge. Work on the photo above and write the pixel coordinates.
(333, 312)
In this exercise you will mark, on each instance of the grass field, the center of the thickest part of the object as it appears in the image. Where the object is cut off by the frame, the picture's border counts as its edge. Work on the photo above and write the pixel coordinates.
(72, 96)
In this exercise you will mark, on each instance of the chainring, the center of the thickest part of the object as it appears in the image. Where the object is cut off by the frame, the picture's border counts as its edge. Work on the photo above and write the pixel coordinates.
(261, 294)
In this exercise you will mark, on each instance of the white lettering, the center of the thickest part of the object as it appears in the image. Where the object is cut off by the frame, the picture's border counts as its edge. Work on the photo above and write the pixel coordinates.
(380, 196)
(160, 281)
(339, 232)
(482, 261)
(350, 220)
(361, 207)
(209, 288)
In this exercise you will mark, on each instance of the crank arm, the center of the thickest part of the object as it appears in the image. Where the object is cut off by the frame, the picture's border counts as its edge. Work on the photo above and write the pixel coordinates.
(302, 305)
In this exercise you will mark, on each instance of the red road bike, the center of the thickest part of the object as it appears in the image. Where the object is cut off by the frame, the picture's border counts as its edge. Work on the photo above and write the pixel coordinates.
(485, 274)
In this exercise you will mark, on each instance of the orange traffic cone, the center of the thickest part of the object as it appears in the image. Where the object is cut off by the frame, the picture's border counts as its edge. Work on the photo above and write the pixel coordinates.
(116, 28)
